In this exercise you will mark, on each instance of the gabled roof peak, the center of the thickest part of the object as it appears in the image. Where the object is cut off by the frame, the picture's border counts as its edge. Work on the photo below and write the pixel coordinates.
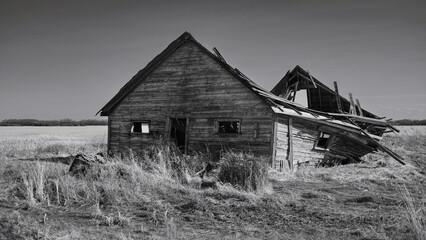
(187, 34)
(184, 36)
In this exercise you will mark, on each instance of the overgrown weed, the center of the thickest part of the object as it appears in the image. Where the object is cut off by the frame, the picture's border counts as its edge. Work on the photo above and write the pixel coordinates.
(244, 170)
(415, 210)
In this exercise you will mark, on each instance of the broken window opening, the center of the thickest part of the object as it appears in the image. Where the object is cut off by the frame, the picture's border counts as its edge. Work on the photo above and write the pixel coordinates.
(140, 127)
(302, 97)
(322, 141)
(228, 127)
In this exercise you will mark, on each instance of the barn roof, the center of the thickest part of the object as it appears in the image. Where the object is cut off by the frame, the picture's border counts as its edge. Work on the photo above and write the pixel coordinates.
(268, 97)
(144, 73)
(264, 94)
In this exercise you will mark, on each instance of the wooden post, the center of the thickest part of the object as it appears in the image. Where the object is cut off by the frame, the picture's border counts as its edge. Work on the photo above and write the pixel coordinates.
(308, 93)
(352, 109)
(290, 143)
(358, 105)
(312, 80)
(295, 90)
(109, 135)
(336, 91)
(274, 143)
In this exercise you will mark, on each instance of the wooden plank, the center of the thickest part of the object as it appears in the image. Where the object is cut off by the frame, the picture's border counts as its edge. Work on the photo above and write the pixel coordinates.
(379, 122)
(290, 142)
(352, 109)
(336, 92)
(312, 80)
(295, 90)
(383, 148)
(274, 141)
(358, 105)
(219, 55)
(109, 134)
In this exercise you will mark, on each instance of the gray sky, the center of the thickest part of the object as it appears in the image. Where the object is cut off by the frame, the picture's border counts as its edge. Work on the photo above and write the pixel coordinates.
(66, 59)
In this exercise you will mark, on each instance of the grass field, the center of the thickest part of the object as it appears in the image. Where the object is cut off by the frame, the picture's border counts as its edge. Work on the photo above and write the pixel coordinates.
(42, 142)
(145, 198)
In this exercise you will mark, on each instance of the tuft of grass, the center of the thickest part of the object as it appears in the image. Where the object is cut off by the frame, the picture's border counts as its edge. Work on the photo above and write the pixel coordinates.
(244, 170)
(110, 219)
(14, 225)
(415, 211)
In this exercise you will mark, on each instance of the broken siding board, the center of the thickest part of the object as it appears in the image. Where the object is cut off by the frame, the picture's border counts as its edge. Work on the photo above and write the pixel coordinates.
(349, 147)
(304, 134)
(281, 153)
(336, 92)
(290, 142)
(358, 105)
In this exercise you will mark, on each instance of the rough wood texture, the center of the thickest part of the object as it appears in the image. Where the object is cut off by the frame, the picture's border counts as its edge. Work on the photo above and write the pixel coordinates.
(191, 84)
(281, 145)
(290, 143)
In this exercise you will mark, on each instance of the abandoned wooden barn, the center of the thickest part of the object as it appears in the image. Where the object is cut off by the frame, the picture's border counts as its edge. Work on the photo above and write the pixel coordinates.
(194, 97)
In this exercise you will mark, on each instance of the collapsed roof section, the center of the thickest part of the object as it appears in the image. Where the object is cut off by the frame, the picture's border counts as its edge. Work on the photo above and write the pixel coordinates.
(360, 124)
(327, 102)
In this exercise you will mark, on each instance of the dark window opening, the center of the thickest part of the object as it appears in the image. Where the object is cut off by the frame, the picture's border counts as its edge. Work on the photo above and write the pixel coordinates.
(322, 142)
(140, 127)
(228, 127)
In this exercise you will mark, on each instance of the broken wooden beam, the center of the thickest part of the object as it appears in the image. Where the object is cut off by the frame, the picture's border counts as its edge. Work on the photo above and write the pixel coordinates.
(295, 90)
(312, 80)
(393, 128)
(358, 105)
(219, 55)
(336, 92)
(381, 147)
(352, 109)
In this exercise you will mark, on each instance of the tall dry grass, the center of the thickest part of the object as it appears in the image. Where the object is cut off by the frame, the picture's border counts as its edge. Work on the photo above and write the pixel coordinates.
(415, 210)
(160, 171)
(244, 170)
(33, 148)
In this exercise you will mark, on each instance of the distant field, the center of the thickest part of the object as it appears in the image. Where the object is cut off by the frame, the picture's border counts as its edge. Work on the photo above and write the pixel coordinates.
(34, 142)
(75, 133)
(411, 130)
(100, 132)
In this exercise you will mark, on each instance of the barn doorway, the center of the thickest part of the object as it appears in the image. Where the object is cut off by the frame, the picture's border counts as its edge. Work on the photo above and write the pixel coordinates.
(178, 132)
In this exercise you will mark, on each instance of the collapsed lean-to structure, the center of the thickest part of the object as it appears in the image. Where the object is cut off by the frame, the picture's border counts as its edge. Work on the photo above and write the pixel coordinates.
(194, 97)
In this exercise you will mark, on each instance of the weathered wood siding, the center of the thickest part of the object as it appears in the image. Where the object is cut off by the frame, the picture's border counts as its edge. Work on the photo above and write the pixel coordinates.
(304, 135)
(281, 145)
(191, 84)
(342, 144)
(347, 144)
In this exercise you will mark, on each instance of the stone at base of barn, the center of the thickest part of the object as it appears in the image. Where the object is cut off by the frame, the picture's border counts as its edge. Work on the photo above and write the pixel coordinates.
(82, 162)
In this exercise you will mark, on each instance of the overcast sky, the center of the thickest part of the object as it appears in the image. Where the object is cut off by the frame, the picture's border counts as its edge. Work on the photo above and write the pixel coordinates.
(67, 59)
